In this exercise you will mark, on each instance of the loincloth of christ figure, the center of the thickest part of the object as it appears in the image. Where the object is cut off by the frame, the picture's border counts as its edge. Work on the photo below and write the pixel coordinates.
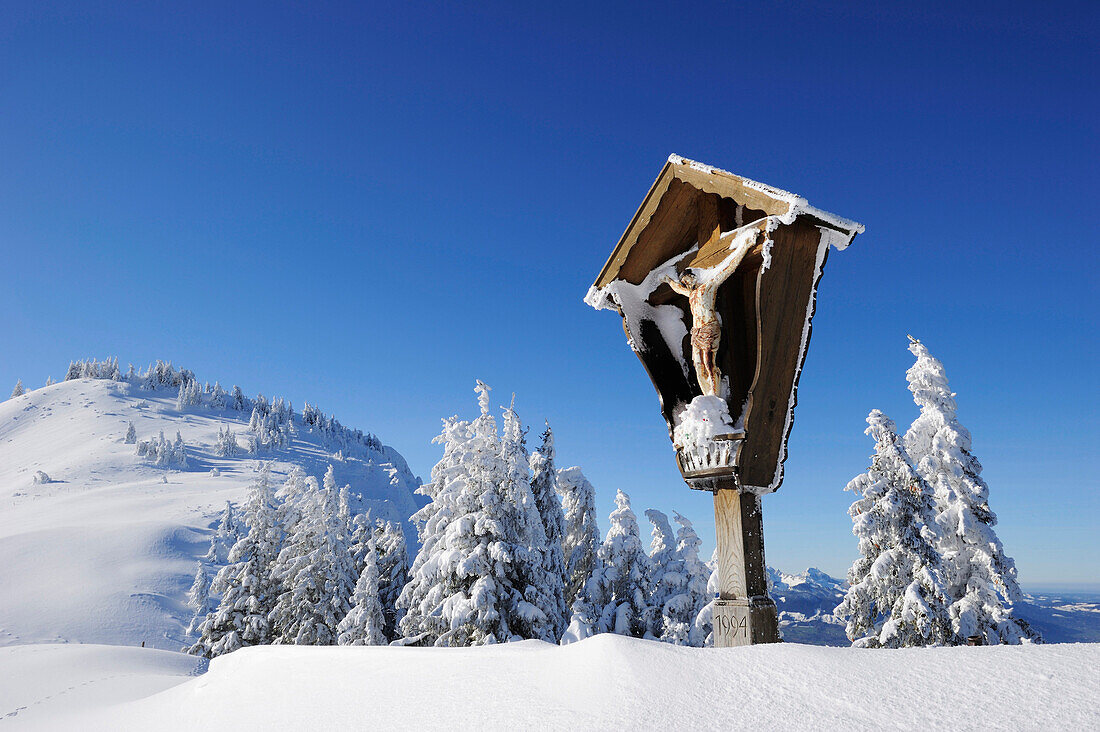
(706, 326)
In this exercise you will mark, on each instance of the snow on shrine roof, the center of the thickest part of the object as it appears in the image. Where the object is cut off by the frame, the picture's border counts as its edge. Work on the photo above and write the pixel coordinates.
(749, 193)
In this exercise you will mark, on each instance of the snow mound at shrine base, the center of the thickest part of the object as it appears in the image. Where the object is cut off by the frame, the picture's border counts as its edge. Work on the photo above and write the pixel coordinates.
(606, 682)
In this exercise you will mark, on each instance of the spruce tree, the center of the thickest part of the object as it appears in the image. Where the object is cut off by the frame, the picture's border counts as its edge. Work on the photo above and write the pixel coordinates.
(430, 582)
(581, 537)
(459, 591)
(393, 569)
(663, 578)
(315, 573)
(683, 607)
(239, 403)
(544, 481)
(18, 391)
(535, 590)
(615, 598)
(225, 537)
(897, 594)
(131, 434)
(246, 585)
(702, 631)
(981, 578)
(198, 599)
(364, 624)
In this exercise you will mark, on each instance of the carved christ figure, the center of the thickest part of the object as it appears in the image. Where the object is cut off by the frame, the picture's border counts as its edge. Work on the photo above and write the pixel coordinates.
(706, 328)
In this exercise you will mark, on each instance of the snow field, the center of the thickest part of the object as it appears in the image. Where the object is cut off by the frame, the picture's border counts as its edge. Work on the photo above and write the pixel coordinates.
(606, 682)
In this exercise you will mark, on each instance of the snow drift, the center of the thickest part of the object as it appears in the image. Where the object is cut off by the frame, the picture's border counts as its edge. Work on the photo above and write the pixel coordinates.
(606, 682)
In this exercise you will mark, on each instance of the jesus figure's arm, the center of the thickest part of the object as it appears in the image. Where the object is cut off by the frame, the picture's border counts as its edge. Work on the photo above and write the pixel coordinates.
(735, 261)
(676, 286)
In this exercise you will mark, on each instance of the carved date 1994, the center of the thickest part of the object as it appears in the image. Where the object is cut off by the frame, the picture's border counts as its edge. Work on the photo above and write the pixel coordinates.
(732, 625)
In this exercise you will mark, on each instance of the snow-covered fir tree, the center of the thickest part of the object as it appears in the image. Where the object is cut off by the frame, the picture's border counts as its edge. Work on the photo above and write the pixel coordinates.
(615, 598)
(663, 578)
(239, 402)
(162, 452)
(49, 381)
(897, 595)
(226, 444)
(199, 600)
(315, 573)
(131, 434)
(544, 486)
(364, 624)
(581, 537)
(683, 606)
(393, 571)
(217, 397)
(981, 578)
(430, 580)
(246, 586)
(536, 587)
(678, 582)
(703, 625)
(361, 535)
(459, 588)
(190, 395)
(225, 537)
(18, 391)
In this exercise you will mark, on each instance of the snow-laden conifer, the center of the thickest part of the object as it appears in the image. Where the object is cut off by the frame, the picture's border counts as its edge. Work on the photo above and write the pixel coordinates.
(897, 595)
(981, 578)
(663, 578)
(683, 607)
(615, 598)
(458, 592)
(226, 444)
(131, 434)
(292, 497)
(18, 391)
(430, 581)
(536, 586)
(217, 396)
(315, 573)
(581, 537)
(544, 486)
(239, 401)
(225, 537)
(246, 585)
(199, 600)
(364, 624)
(49, 381)
(393, 569)
(703, 625)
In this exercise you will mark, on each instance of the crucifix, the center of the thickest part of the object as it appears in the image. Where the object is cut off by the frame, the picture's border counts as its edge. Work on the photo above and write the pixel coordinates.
(706, 327)
(716, 282)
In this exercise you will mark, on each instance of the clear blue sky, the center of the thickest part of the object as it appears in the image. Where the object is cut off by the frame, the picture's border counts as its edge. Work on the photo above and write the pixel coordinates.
(371, 205)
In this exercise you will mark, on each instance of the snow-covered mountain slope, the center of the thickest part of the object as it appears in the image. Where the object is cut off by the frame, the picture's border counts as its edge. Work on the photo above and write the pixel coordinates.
(105, 551)
(805, 602)
(606, 682)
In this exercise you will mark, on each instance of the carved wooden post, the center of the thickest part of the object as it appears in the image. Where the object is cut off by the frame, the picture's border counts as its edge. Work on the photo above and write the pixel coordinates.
(717, 269)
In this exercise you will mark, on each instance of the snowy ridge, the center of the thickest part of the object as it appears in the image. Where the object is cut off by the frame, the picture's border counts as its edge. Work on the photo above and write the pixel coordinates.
(105, 551)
